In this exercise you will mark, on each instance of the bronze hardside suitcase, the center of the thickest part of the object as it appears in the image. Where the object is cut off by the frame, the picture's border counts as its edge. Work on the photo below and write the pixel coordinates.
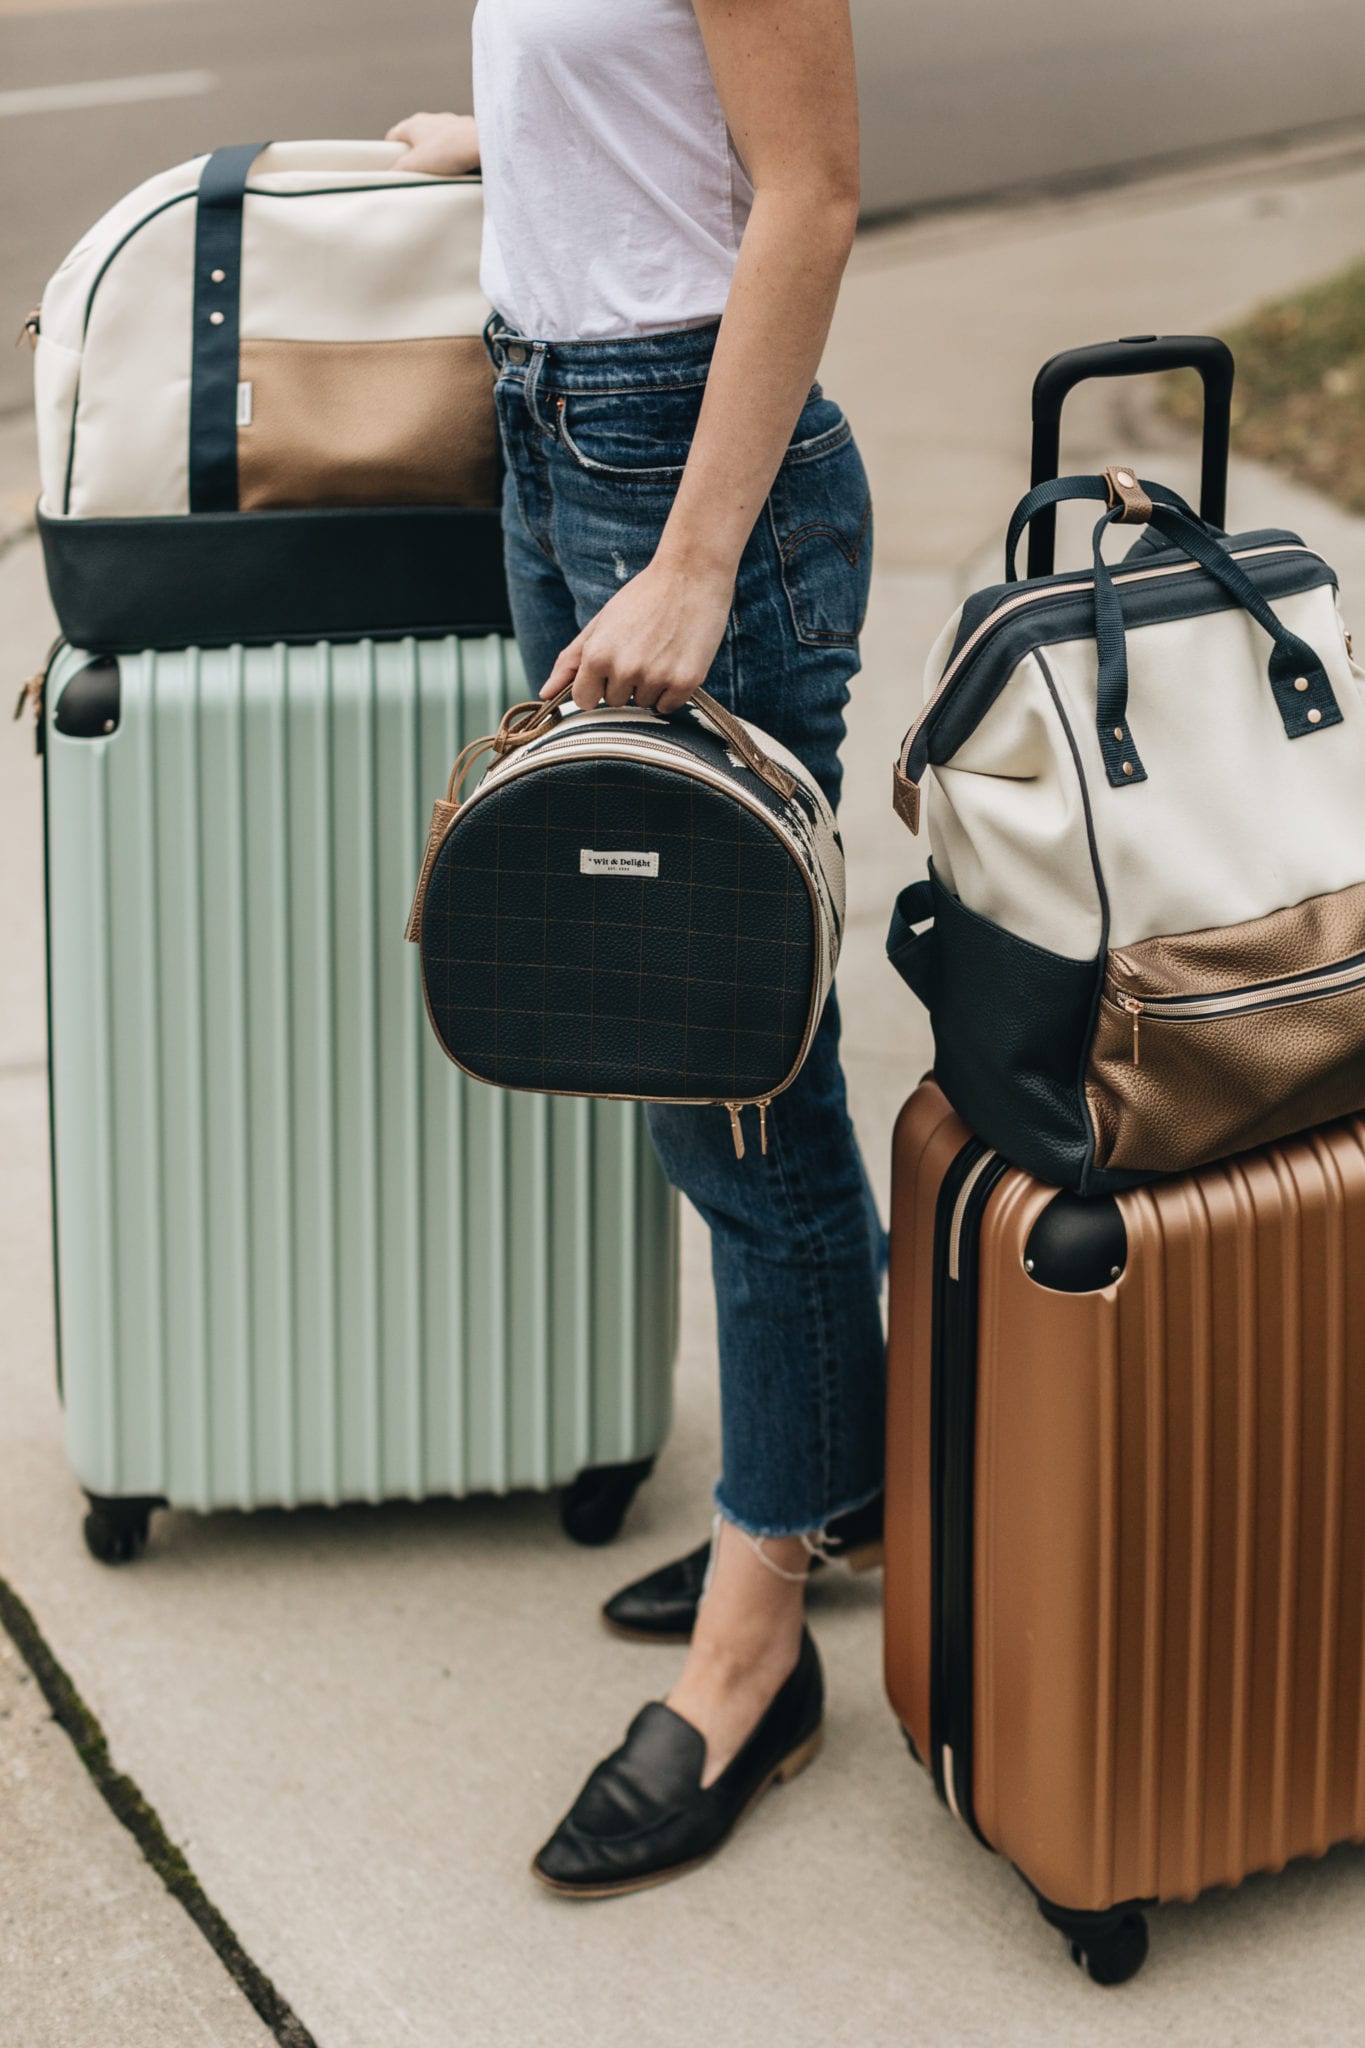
(1125, 1519)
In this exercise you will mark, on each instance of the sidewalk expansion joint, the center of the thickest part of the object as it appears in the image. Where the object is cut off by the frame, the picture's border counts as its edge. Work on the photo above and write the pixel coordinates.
(133, 1812)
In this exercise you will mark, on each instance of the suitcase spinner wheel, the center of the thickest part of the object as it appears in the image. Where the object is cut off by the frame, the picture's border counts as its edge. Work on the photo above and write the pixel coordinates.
(1110, 1947)
(594, 1506)
(116, 1531)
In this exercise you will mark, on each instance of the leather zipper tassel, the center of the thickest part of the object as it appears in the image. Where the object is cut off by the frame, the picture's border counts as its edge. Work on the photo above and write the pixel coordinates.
(1134, 1009)
(736, 1129)
(763, 1102)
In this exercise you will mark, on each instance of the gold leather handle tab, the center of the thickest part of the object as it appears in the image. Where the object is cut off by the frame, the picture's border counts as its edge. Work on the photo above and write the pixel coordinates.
(1126, 490)
(905, 797)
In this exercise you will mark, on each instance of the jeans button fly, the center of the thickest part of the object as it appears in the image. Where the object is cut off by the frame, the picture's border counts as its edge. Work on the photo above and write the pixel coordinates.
(515, 352)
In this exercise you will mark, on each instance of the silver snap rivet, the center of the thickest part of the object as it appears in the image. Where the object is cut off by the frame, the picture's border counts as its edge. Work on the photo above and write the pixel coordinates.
(1118, 732)
(108, 725)
(516, 353)
(1028, 1265)
(215, 319)
(1127, 767)
(218, 276)
(1116, 1272)
(1300, 682)
(1315, 717)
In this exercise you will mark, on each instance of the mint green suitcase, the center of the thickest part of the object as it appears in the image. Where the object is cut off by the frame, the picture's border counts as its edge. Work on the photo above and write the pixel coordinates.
(300, 1257)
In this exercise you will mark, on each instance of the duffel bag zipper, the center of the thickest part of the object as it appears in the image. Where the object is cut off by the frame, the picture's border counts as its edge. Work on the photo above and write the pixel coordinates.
(1342, 979)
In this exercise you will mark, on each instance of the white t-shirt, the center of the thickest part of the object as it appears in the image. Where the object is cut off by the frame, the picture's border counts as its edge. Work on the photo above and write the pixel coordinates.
(614, 198)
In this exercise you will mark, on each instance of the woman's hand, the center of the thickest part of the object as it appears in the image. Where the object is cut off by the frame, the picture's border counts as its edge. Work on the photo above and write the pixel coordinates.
(442, 145)
(654, 641)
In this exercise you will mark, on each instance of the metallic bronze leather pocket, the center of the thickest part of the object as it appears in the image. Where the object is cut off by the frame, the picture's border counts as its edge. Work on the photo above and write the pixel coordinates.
(366, 423)
(1216, 1041)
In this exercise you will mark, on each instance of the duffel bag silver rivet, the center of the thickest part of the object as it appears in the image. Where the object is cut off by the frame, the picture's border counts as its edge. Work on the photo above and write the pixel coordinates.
(1315, 717)
(1300, 682)
(1127, 767)
(215, 319)
(218, 276)
(1118, 732)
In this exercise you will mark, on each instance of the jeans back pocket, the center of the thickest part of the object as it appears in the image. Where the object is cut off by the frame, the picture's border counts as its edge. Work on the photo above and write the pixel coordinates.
(820, 511)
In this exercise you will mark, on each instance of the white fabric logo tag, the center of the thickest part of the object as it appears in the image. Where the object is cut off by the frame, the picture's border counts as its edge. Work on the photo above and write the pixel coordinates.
(590, 863)
(244, 405)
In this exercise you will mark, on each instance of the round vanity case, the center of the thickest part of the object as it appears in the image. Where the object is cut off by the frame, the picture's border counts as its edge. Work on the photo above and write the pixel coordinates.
(631, 905)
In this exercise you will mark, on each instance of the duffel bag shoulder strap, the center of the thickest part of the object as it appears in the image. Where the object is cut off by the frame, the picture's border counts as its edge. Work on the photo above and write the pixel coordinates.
(215, 347)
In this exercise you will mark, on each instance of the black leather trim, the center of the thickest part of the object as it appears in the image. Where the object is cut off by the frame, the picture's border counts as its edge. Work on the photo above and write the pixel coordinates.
(1010, 1026)
(219, 579)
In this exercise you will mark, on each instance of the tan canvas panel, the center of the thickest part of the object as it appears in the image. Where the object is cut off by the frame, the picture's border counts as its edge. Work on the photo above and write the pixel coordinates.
(367, 423)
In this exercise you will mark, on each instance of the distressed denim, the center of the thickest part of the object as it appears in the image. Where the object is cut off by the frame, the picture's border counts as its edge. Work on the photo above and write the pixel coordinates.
(595, 436)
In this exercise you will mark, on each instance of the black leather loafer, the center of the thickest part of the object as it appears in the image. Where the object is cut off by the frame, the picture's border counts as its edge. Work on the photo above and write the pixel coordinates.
(644, 1816)
(662, 1606)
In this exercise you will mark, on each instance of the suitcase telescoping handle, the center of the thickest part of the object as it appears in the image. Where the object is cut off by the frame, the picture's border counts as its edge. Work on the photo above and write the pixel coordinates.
(1134, 356)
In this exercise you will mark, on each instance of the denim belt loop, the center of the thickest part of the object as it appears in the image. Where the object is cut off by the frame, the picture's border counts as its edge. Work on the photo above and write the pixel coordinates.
(539, 352)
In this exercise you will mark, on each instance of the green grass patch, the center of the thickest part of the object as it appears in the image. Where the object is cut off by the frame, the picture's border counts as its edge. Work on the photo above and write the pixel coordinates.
(1299, 400)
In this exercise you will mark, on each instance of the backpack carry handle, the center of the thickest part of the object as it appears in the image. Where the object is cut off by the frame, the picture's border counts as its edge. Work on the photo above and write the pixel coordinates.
(1303, 693)
(1135, 355)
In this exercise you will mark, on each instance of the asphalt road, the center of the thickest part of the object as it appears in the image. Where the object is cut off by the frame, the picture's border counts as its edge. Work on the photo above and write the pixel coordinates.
(960, 96)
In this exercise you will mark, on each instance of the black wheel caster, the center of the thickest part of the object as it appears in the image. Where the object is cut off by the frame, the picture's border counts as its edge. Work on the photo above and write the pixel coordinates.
(1114, 1958)
(1110, 1947)
(116, 1530)
(594, 1505)
(910, 1745)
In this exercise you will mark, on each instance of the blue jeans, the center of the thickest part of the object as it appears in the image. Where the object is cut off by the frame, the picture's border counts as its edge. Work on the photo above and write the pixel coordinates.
(595, 436)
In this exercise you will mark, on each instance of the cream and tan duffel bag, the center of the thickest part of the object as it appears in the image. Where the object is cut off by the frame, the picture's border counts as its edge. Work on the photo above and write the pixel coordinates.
(265, 408)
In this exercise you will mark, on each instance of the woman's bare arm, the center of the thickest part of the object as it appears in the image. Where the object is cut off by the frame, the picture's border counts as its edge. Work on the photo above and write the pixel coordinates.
(442, 145)
(784, 71)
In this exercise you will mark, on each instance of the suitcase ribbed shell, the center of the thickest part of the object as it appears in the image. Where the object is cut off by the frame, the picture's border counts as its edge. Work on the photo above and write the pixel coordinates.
(1169, 1575)
(300, 1258)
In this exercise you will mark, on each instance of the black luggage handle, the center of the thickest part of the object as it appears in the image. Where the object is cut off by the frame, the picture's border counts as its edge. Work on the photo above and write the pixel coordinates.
(1135, 355)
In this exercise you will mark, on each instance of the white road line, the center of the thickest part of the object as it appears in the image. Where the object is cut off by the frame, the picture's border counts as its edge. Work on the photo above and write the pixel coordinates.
(106, 92)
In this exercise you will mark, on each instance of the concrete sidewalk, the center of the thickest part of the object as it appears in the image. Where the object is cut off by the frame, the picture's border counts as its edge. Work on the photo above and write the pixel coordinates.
(357, 1725)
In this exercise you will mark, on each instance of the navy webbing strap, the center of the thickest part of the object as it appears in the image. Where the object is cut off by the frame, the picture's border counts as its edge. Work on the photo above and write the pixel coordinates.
(1305, 697)
(217, 309)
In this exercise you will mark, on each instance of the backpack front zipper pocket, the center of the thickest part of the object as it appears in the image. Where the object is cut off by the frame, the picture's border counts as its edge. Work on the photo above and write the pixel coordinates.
(1291, 988)
(1191, 1063)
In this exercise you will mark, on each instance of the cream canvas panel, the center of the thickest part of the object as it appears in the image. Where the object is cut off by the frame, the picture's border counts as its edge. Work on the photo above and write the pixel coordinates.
(357, 269)
(1234, 820)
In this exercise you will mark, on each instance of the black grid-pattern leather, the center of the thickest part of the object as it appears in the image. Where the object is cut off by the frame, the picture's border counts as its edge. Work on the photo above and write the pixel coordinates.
(696, 982)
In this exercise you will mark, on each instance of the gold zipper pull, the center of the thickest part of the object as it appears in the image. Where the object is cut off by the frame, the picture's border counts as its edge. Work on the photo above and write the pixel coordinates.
(763, 1102)
(31, 694)
(1134, 1009)
(31, 329)
(736, 1130)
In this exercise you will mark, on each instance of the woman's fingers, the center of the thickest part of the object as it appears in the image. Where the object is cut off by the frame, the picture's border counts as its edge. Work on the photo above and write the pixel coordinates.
(674, 697)
(565, 668)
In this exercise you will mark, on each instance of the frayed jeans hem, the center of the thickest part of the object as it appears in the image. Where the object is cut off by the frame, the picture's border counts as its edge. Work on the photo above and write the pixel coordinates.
(777, 1530)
